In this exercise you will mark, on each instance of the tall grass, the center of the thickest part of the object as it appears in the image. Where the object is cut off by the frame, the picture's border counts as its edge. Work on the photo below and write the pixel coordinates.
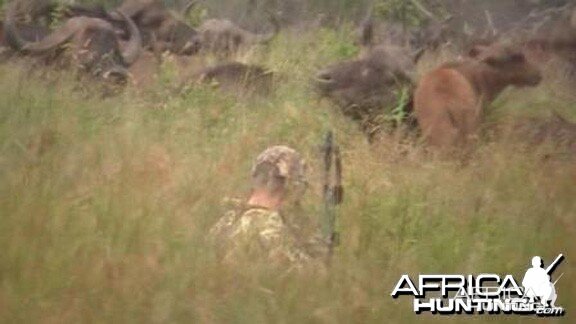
(105, 203)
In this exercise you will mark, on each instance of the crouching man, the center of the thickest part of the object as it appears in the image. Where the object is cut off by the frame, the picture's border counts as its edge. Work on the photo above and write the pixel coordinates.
(258, 229)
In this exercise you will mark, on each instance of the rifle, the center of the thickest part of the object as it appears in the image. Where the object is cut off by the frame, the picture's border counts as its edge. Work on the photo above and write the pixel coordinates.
(554, 263)
(333, 191)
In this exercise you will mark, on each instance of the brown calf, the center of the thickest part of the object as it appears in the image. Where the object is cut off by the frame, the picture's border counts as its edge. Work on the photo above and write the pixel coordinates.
(449, 100)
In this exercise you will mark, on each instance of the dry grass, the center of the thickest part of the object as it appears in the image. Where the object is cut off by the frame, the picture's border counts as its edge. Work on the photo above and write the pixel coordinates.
(105, 203)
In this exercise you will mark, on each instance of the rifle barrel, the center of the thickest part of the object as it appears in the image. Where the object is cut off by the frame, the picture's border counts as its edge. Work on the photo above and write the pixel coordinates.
(556, 261)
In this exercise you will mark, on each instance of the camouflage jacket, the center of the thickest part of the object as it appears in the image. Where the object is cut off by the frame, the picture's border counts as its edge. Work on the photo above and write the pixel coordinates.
(255, 232)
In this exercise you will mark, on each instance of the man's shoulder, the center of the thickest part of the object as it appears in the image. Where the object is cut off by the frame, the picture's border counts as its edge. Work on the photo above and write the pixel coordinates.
(261, 219)
(246, 219)
(258, 212)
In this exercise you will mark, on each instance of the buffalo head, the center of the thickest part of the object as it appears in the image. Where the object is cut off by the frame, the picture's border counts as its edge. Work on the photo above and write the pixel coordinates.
(160, 25)
(510, 62)
(366, 83)
(90, 43)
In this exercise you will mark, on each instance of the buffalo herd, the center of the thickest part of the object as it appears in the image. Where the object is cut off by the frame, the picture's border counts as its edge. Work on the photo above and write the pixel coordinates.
(445, 104)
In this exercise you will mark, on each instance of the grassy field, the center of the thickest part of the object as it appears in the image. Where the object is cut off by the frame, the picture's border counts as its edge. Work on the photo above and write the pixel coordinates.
(105, 203)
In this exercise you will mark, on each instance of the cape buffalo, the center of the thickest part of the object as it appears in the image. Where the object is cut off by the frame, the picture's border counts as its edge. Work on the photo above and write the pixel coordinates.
(362, 84)
(432, 35)
(378, 81)
(557, 38)
(28, 32)
(221, 36)
(45, 12)
(449, 100)
(88, 43)
(236, 78)
(156, 21)
(33, 21)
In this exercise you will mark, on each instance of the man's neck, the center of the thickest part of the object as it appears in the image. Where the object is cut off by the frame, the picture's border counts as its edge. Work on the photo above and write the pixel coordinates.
(264, 199)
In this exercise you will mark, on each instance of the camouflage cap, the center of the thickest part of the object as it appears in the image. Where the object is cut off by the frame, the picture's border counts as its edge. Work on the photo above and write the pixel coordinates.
(287, 161)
